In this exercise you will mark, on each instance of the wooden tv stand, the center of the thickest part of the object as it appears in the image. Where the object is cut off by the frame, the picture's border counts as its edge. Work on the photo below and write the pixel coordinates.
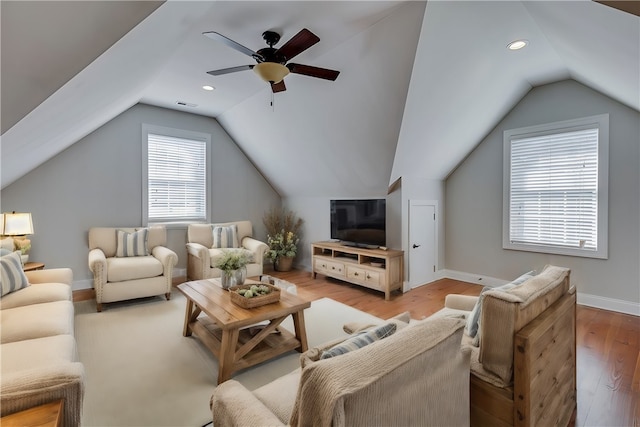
(378, 269)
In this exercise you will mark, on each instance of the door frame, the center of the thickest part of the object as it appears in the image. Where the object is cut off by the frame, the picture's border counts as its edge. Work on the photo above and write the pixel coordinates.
(422, 202)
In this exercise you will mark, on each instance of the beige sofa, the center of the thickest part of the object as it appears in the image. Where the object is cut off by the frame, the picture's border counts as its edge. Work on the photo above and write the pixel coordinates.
(38, 350)
(523, 370)
(119, 278)
(202, 256)
(418, 376)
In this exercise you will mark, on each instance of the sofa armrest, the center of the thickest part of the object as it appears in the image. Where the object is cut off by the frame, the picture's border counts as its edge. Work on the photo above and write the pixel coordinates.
(460, 302)
(257, 247)
(53, 275)
(233, 405)
(97, 262)
(166, 256)
(199, 251)
(33, 387)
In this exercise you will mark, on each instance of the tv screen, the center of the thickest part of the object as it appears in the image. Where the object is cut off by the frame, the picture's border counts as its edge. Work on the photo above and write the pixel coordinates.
(359, 222)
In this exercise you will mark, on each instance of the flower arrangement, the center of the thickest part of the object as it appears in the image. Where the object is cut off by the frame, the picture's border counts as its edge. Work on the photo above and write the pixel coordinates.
(233, 260)
(282, 244)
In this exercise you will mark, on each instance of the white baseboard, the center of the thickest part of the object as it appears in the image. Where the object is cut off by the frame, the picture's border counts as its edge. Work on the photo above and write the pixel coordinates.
(604, 303)
(88, 283)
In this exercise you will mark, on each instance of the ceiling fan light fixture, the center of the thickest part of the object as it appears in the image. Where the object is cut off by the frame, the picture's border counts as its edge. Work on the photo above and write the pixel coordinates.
(271, 72)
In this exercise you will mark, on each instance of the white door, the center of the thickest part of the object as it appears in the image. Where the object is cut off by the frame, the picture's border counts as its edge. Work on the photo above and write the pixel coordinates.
(422, 242)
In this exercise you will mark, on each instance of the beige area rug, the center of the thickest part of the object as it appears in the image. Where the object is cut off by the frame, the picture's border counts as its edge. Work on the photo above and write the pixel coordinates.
(141, 371)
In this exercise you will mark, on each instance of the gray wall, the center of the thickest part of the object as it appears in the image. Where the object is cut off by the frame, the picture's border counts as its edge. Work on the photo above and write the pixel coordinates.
(474, 201)
(98, 182)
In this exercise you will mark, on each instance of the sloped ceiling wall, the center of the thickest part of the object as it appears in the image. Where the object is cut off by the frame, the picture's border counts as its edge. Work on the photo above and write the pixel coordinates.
(453, 104)
(335, 138)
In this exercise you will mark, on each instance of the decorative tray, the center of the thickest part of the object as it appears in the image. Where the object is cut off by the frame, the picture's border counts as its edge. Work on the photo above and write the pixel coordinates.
(256, 301)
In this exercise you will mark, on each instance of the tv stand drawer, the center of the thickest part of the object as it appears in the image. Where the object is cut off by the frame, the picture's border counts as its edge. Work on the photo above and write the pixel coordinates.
(329, 268)
(369, 278)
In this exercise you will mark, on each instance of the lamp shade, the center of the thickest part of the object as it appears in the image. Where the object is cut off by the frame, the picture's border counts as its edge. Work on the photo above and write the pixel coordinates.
(271, 72)
(16, 224)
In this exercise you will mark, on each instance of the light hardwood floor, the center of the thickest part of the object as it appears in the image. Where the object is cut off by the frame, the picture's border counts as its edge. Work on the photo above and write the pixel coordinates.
(608, 343)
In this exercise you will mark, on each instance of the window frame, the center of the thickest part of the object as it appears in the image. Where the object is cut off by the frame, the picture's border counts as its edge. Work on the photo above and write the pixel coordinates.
(175, 133)
(601, 122)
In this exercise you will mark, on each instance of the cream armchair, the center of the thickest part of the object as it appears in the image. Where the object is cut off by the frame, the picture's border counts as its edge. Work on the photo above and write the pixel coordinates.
(202, 255)
(131, 274)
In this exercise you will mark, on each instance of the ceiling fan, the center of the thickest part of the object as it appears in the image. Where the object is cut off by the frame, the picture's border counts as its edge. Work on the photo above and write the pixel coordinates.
(272, 64)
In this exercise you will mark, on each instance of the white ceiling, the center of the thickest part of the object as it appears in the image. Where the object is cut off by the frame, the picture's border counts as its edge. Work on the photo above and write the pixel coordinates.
(419, 88)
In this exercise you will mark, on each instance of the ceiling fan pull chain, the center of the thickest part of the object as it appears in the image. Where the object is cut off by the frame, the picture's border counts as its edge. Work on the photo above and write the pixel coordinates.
(273, 102)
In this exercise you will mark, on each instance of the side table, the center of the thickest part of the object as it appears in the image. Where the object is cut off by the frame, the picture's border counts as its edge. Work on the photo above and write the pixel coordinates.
(30, 266)
(47, 415)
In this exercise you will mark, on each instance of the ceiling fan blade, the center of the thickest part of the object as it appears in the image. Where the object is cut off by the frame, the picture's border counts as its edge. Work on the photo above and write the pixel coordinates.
(298, 43)
(233, 44)
(307, 70)
(229, 70)
(278, 87)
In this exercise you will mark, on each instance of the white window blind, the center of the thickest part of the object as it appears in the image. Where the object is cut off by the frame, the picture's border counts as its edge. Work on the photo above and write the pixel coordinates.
(554, 190)
(176, 178)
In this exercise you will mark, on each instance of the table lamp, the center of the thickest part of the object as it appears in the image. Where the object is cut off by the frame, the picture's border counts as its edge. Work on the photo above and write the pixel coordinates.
(18, 226)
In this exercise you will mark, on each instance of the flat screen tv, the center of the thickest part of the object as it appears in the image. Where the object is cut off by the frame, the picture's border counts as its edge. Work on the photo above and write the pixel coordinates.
(359, 222)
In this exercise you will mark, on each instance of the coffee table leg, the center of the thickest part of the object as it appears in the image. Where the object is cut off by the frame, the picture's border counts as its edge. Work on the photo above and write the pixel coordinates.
(191, 314)
(301, 330)
(227, 354)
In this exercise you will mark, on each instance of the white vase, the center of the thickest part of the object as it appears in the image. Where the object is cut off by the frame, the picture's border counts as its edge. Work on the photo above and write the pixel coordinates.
(233, 277)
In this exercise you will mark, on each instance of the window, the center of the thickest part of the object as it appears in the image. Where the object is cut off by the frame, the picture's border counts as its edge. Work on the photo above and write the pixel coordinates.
(175, 175)
(556, 188)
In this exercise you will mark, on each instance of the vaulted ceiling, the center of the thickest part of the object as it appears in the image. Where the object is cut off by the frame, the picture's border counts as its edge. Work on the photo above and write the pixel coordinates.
(420, 83)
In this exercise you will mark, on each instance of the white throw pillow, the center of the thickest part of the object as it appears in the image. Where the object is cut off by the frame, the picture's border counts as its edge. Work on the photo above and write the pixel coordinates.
(11, 273)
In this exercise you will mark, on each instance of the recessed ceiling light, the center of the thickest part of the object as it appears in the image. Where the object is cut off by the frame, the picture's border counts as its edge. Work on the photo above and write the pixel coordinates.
(207, 87)
(517, 44)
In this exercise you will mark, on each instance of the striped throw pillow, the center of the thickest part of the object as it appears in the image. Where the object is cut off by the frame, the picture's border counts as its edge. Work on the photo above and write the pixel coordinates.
(11, 273)
(132, 244)
(225, 237)
(360, 340)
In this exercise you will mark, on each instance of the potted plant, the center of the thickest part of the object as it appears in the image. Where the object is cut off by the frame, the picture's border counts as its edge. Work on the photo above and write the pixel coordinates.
(282, 249)
(233, 264)
(283, 230)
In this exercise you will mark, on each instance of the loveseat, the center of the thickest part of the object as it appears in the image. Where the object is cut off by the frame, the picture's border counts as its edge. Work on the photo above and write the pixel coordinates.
(203, 250)
(39, 357)
(418, 376)
(130, 263)
(523, 353)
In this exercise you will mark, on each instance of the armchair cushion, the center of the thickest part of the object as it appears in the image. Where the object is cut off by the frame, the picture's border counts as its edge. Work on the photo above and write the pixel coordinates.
(131, 268)
(473, 319)
(131, 244)
(12, 274)
(225, 236)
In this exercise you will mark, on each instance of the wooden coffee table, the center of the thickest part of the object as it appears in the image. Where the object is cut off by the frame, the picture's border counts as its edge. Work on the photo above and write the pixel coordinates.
(224, 330)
